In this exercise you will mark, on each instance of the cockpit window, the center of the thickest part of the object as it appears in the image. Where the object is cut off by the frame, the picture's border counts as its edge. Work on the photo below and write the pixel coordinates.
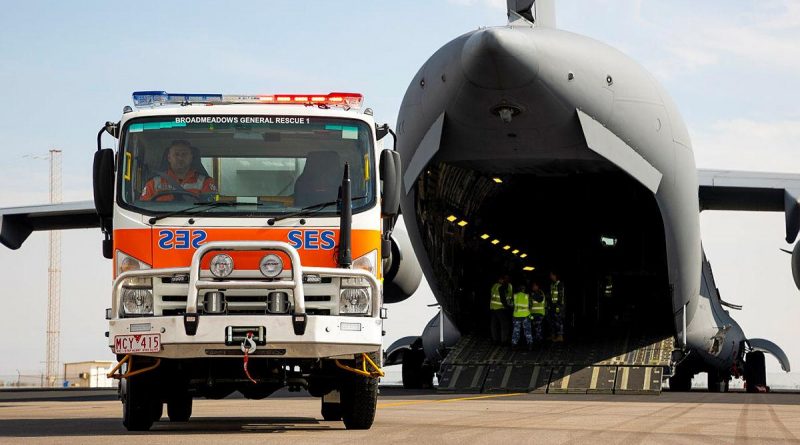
(259, 164)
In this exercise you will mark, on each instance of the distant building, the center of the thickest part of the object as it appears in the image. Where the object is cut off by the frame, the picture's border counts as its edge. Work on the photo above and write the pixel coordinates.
(91, 374)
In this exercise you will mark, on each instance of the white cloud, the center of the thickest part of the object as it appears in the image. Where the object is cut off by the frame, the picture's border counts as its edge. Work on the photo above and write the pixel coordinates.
(744, 144)
(687, 43)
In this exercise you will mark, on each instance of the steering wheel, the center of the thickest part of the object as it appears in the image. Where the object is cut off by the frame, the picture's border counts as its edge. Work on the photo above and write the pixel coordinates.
(175, 194)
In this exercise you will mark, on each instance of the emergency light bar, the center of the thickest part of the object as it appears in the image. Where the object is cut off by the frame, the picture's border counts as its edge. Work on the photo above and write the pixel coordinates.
(155, 98)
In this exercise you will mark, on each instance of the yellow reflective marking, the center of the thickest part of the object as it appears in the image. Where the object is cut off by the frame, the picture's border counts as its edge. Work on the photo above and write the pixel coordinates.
(366, 167)
(128, 161)
(458, 399)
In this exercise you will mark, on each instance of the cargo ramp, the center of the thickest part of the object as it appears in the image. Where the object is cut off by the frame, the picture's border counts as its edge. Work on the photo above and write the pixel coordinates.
(619, 364)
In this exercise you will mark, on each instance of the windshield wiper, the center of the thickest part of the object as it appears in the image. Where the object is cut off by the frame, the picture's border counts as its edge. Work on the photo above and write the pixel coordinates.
(191, 209)
(307, 210)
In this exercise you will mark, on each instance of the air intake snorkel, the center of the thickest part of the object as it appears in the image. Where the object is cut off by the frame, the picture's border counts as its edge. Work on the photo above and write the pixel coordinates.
(345, 258)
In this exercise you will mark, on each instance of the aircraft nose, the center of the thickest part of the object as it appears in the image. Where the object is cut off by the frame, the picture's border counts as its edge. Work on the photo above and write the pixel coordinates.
(499, 58)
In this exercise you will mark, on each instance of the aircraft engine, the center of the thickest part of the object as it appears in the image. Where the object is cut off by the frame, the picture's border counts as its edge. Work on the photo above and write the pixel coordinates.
(796, 265)
(402, 271)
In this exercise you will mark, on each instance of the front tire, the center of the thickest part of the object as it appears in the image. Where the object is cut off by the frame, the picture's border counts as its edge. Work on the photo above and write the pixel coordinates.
(359, 402)
(139, 406)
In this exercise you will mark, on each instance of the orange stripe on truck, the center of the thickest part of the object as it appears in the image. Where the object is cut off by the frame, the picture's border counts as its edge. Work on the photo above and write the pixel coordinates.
(174, 246)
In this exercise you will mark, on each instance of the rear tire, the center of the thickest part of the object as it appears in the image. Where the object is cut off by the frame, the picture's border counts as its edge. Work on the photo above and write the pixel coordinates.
(179, 409)
(139, 406)
(755, 371)
(359, 402)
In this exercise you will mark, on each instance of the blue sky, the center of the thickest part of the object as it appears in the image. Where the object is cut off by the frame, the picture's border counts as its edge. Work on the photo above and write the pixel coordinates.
(66, 68)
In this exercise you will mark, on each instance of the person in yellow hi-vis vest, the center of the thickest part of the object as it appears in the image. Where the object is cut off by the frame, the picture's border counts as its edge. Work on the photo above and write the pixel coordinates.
(538, 311)
(499, 303)
(521, 317)
(556, 307)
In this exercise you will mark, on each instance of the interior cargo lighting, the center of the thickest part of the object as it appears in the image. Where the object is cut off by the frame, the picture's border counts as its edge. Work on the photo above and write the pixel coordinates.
(506, 247)
(462, 223)
(451, 218)
(528, 268)
(485, 236)
(524, 255)
(497, 180)
(495, 242)
(154, 98)
(515, 251)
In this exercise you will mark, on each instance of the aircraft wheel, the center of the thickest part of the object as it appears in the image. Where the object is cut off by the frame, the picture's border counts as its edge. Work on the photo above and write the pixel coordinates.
(158, 411)
(179, 408)
(359, 402)
(717, 383)
(139, 407)
(755, 371)
(415, 375)
(680, 383)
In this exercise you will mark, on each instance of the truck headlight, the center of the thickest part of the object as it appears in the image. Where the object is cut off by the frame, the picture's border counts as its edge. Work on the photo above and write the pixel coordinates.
(271, 266)
(221, 265)
(354, 300)
(137, 301)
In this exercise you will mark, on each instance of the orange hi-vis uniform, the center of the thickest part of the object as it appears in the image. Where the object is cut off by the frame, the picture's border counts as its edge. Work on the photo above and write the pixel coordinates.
(194, 182)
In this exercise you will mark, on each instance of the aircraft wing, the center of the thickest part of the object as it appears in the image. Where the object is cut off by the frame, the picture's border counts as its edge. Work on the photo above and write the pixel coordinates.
(752, 191)
(17, 223)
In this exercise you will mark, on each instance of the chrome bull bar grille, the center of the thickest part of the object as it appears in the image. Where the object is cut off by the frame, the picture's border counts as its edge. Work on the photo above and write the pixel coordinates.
(295, 284)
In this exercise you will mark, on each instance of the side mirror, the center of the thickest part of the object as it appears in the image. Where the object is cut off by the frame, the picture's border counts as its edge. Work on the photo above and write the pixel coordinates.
(390, 169)
(103, 182)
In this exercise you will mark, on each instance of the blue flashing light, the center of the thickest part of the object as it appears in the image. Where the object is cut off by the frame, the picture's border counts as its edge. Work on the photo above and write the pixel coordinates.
(153, 98)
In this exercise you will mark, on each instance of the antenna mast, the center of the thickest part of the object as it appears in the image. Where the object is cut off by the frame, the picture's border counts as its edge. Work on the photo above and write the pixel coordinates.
(54, 278)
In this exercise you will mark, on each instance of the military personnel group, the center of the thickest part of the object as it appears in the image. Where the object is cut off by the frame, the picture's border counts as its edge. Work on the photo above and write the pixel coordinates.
(526, 308)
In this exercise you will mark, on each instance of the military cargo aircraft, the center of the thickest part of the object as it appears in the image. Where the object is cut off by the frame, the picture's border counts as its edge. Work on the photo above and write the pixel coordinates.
(531, 149)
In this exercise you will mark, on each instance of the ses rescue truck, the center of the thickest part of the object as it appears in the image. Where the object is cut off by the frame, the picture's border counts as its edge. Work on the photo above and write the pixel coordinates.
(261, 268)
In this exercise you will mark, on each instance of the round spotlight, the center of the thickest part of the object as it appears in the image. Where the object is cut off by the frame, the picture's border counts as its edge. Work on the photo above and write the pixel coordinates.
(221, 265)
(271, 265)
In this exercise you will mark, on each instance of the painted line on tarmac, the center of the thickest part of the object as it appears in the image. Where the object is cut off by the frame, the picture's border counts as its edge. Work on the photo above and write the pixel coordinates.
(457, 399)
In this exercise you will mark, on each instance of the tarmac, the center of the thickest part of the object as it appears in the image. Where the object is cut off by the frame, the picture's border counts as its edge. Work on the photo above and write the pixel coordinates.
(417, 417)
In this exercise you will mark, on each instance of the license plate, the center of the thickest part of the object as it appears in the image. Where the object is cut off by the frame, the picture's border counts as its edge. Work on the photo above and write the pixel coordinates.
(131, 344)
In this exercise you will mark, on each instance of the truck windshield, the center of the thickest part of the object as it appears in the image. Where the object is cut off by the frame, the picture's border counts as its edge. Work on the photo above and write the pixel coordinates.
(267, 165)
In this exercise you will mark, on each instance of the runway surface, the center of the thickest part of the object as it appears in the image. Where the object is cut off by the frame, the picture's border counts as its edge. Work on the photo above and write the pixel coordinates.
(417, 418)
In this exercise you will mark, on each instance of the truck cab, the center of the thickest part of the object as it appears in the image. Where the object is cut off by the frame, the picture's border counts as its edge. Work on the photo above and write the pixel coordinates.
(248, 235)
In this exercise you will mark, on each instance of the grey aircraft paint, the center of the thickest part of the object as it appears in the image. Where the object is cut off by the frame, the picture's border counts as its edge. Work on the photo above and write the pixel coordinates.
(530, 99)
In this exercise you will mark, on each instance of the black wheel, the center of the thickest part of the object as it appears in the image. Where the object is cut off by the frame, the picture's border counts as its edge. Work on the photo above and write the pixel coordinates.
(680, 382)
(158, 411)
(755, 372)
(717, 383)
(359, 402)
(413, 375)
(331, 411)
(179, 408)
(139, 405)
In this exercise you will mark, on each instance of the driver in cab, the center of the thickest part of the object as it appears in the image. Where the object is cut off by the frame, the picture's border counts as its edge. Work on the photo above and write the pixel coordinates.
(181, 178)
